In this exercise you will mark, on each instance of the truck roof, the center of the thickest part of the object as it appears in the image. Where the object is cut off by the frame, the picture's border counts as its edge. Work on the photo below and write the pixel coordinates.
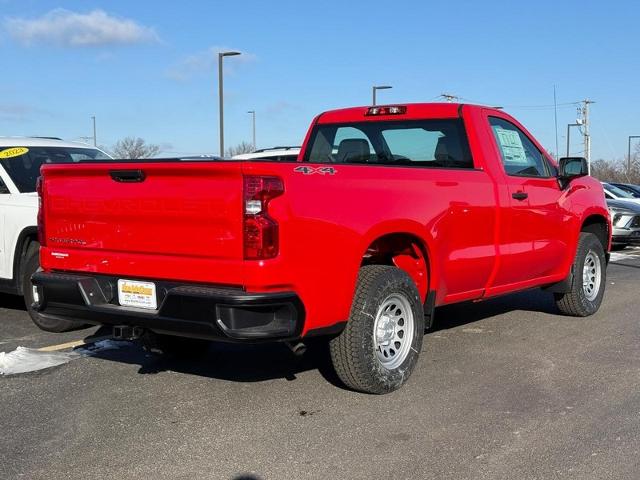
(40, 142)
(414, 111)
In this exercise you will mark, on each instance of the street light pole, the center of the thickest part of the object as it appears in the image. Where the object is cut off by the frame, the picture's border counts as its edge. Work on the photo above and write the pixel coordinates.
(95, 140)
(629, 152)
(253, 115)
(569, 134)
(375, 88)
(221, 55)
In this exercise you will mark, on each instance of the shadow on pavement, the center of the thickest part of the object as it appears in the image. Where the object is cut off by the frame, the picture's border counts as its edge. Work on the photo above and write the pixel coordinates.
(535, 300)
(12, 302)
(624, 265)
(262, 362)
(228, 361)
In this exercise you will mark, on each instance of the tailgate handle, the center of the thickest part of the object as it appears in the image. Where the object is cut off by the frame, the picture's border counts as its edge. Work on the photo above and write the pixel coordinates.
(127, 176)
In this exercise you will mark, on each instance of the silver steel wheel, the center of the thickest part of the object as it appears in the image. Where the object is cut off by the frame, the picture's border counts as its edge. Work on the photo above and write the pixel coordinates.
(393, 331)
(591, 276)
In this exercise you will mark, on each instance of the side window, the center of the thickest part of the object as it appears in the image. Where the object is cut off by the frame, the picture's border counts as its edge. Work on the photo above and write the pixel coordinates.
(3, 187)
(519, 155)
(23, 171)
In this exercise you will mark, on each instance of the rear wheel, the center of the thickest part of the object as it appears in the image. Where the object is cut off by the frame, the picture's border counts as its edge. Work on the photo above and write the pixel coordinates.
(379, 347)
(32, 295)
(590, 270)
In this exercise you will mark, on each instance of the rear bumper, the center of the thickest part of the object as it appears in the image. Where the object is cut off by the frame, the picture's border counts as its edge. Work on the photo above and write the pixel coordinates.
(199, 311)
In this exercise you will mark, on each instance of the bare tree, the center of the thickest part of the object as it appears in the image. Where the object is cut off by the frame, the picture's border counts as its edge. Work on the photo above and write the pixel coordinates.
(243, 147)
(134, 147)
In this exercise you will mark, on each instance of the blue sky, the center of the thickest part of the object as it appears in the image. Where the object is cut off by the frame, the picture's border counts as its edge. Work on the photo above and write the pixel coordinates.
(147, 68)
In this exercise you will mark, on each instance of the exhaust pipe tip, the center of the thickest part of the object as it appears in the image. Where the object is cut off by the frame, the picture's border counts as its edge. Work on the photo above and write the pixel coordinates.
(298, 348)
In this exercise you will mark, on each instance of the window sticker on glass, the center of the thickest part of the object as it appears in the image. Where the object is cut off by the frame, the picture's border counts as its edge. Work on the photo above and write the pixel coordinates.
(512, 147)
(13, 152)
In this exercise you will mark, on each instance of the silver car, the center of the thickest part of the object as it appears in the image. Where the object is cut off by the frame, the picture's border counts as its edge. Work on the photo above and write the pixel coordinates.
(625, 216)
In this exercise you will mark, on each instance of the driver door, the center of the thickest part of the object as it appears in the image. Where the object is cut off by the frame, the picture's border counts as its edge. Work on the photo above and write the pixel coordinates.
(535, 232)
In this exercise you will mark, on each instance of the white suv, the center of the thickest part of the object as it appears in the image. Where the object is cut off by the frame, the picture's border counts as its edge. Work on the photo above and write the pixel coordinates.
(20, 162)
(279, 154)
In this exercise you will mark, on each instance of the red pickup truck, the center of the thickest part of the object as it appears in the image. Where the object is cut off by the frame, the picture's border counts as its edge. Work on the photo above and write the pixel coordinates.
(388, 212)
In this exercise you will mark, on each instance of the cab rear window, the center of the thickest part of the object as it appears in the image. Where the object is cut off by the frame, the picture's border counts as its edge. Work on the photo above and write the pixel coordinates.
(422, 143)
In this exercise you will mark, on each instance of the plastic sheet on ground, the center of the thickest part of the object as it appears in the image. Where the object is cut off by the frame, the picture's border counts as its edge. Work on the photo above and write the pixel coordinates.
(24, 360)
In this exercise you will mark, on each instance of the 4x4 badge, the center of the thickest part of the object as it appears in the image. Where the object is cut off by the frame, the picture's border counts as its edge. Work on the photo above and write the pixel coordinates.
(311, 170)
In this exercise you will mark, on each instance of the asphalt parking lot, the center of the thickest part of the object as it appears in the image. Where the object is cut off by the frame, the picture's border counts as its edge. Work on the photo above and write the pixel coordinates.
(504, 389)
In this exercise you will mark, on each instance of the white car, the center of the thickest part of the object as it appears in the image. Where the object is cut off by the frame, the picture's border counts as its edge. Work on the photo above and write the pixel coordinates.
(20, 162)
(280, 154)
(611, 192)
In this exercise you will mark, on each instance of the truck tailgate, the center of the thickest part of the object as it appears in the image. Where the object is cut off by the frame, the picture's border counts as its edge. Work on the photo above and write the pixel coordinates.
(123, 216)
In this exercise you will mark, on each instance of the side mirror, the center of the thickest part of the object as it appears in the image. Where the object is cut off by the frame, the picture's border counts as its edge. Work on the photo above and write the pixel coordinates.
(570, 168)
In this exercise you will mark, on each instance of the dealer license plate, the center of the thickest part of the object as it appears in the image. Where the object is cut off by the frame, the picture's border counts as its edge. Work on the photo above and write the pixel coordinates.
(137, 294)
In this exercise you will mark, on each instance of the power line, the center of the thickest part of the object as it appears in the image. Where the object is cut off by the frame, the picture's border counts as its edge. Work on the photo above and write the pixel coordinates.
(564, 104)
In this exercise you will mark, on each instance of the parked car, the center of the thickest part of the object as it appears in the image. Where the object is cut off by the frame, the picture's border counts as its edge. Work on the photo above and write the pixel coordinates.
(20, 162)
(629, 188)
(625, 218)
(612, 192)
(278, 154)
(204, 156)
(389, 212)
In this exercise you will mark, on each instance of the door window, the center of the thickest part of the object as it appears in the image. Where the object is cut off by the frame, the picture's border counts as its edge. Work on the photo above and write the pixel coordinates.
(520, 157)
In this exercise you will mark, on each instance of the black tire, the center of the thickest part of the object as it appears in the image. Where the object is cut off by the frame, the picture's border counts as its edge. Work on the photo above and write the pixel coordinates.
(178, 347)
(576, 302)
(31, 266)
(354, 353)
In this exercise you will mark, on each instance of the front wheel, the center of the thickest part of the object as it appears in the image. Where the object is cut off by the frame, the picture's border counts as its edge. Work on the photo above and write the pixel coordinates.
(379, 347)
(590, 270)
(32, 296)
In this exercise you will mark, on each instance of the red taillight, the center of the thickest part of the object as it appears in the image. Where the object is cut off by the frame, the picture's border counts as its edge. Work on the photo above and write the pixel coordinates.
(260, 230)
(390, 110)
(41, 231)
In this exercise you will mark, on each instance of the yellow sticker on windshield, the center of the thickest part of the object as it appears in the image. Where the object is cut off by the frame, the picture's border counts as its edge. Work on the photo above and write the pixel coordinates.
(13, 152)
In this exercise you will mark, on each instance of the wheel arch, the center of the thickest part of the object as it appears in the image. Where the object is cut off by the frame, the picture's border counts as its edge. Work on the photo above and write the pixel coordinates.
(598, 224)
(405, 248)
(27, 236)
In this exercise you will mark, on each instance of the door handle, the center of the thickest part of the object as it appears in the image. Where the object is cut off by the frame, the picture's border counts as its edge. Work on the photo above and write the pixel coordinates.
(127, 176)
(520, 196)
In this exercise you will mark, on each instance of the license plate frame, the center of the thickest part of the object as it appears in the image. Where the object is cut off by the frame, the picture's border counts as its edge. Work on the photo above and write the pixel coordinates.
(137, 294)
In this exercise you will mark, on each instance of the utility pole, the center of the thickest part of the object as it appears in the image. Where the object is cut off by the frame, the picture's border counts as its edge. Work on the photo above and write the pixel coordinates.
(584, 111)
(95, 140)
(221, 55)
(253, 115)
(449, 97)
